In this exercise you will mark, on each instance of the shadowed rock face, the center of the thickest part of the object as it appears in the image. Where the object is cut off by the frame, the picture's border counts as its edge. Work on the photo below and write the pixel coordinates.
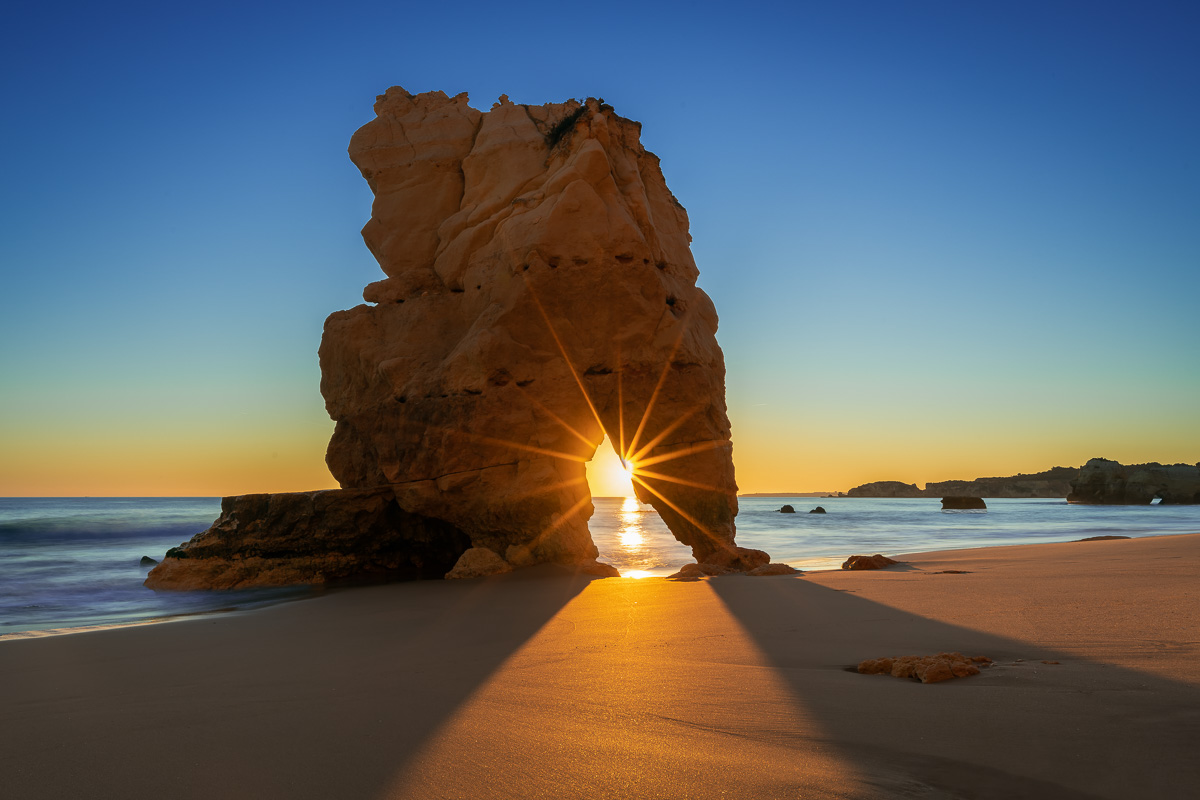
(540, 292)
(338, 536)
(1105, 482)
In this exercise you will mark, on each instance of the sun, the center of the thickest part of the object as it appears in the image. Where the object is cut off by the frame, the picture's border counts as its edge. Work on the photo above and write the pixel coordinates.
(608, 475)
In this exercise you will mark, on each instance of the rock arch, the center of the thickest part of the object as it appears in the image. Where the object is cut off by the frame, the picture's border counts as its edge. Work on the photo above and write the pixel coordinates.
(540, 293)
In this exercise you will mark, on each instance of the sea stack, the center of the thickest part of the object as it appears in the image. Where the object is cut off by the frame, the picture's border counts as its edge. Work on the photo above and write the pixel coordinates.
(540, 292)
(963, 504)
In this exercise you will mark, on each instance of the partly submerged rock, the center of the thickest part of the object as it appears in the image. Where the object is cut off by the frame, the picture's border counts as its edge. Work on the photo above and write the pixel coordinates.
(963, 504)
(787, 509)
(886, 489)
(147, 561)
(335, 536)
(818, 510)
(1102, 538)
(926, 669)
(876, 561)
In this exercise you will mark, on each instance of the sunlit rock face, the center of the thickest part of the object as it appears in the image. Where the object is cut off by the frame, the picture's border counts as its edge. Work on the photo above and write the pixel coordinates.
(1105, 482)
(540, 292)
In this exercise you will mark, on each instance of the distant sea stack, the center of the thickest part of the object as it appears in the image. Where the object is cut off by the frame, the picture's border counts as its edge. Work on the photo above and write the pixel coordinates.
(1105, 482)
(963, 504)
(540, 291)
(886, 489)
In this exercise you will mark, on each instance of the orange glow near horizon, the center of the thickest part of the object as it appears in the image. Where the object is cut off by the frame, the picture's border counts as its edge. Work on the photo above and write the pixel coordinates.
(607, 474)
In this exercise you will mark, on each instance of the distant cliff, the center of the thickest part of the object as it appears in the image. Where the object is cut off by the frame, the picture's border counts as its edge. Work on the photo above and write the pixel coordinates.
(1104, 482)
(1054, 482)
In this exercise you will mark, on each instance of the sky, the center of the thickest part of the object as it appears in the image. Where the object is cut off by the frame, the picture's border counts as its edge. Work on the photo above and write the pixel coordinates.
(945, 240)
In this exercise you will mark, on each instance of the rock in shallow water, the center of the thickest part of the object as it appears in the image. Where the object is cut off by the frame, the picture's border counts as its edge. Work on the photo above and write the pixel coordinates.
(335, 536)
(963, 504)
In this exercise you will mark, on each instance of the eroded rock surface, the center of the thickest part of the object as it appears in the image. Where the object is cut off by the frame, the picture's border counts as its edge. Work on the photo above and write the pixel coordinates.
(877, 561)
(1105, 482)
(926, 669)
(540, 293)
(336, 536)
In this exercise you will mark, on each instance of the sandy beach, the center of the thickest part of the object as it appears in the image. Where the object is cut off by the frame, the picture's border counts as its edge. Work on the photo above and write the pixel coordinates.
(542, 684)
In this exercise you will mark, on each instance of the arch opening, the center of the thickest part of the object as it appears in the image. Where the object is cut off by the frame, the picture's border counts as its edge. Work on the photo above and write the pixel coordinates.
(629, 534)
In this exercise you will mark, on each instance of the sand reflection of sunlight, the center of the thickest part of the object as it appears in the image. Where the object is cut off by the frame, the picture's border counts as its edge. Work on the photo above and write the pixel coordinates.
(605, 695)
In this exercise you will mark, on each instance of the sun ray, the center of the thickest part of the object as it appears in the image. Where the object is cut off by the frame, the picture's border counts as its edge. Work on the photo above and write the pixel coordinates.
(528, 448)
(511, 444)
(620, 405)
(692, 449)
(558, 523)
(664, 433)
(637, 470)
(695, 522)
(558, 419)
(563, 351)
(547, 488)
(662, 378)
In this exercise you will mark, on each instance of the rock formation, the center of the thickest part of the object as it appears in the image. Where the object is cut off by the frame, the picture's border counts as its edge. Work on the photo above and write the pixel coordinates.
(787, 509)
(963, 504)
(1105, 482)
(876, 561)
(337, 536)
(540, 293)
(886, 489)
(1055, 482)
(926, 669)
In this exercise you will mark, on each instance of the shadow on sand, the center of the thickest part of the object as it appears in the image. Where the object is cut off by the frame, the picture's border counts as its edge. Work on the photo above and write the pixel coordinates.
(1019, 729)
(285, 702)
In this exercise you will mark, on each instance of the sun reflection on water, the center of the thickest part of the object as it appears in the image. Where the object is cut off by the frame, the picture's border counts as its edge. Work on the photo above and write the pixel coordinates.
(632, 537)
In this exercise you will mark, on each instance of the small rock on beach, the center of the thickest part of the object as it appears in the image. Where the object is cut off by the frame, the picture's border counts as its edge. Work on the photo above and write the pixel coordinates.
(876, 561)
(926, 669)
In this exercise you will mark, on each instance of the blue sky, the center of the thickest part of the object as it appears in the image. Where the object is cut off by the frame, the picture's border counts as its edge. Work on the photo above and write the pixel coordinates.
(944, 241)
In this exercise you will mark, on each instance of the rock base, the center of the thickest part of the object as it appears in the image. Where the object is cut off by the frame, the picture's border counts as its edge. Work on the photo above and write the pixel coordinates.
(326, 537)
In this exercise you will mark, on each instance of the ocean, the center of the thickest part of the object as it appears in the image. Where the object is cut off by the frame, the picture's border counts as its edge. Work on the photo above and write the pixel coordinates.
(74, 562)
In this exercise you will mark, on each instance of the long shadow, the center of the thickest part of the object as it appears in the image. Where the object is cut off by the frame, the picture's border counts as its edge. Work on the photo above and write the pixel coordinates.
(322, 699)
(1020, 729)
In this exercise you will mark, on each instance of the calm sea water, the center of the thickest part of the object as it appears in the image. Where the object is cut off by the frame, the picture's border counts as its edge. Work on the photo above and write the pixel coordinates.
(70, 562)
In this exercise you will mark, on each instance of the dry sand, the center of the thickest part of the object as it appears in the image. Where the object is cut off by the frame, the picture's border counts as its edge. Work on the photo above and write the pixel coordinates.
(534, 685)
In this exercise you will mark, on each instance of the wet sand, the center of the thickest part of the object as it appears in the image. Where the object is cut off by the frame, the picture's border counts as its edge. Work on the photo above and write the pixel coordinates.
(540, 684)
